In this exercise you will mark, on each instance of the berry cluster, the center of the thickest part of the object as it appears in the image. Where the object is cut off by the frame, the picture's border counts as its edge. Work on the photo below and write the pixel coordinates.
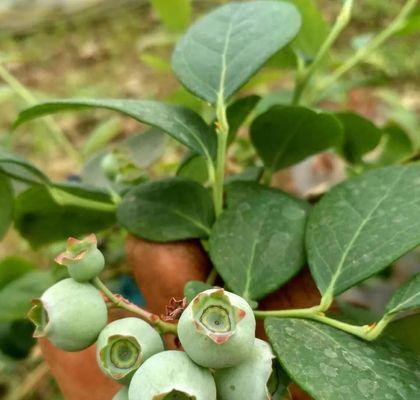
(221, 359)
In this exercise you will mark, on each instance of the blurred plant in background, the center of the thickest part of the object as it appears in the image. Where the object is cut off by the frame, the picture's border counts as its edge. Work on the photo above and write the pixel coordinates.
(100, 48)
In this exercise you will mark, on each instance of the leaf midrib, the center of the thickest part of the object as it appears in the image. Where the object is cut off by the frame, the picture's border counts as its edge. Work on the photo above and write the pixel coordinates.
(179, 213)
(346, 252)
(286, 142)
(223, 71)
(250, 264)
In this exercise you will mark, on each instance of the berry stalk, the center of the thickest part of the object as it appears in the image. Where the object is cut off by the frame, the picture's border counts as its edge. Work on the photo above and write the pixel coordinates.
(118, 301)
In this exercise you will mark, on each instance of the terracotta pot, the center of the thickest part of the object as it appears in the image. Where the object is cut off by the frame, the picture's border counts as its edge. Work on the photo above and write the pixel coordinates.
(162, 269)
(77, 374)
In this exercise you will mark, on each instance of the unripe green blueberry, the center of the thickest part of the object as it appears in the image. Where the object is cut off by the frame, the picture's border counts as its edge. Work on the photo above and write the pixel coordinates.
(171, 375)
(122, 394)
(70, 314)
(257, 374)
(124, 345)
(217, 329)
(82, 258)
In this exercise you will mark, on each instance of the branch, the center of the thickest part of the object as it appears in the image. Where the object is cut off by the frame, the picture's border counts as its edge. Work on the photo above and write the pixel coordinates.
(369, 48)
(30, 99)
(304, 77)
(120, 302)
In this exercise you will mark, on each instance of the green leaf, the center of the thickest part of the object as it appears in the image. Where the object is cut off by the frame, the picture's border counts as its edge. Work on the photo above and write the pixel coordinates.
(285, 58)
(284, 136)
(406, 331)
(257, 244)
(192, 288)
(238, 112)
(224, 49)
(330, 364)
(167, 210)
(314, 29)
(407, 297)
(143, 149)
(12, 268)
(362, 226)
(250, 174)
(41, 220)
(283, 98)
(179, 122)
(101, 135)
(194, 167)
(360, 136)
(16, 338)
(396, 145)
(175, 14)
(6, 205)
(16, 167)
(84, 192)
(15, 298)
(411, 25)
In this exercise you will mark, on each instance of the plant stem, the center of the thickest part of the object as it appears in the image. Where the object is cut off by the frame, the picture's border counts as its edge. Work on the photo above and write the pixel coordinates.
(370, 47)
(152, 319)
(30, 99)
(327, 299)
(211, 279)
(222, 129)
(376, 329)
(366, 332)
(304, 76)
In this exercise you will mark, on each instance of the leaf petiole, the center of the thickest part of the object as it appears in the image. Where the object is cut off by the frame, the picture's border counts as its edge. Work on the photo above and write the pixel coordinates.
(366, 332)
(222, 129)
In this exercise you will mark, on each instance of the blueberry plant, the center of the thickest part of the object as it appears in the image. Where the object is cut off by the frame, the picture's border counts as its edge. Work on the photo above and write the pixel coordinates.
(258, 238)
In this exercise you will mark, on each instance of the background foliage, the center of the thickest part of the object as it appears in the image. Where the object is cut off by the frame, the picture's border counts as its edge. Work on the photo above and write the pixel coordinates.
(127, 50)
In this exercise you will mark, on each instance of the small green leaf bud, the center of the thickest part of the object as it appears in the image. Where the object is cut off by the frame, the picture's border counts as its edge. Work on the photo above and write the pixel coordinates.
(70, 314)
(111, 165)
(171, 375)
(82, 258)
(217, 329)
(124, 345)
(257, 374)
(119, 166)
(122, 394)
